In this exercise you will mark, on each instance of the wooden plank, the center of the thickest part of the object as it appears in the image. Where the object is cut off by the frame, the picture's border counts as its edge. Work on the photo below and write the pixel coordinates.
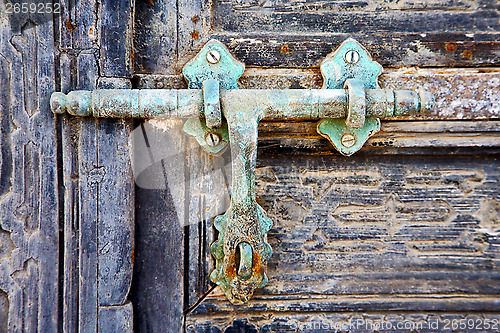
(155, 38)
(404, 322)
(393, 136)
(460, 94)
(49, 224)
(113, 319)
(158, 286)
(215, 303)
(193, 24)
(116, 38)
(260, 34)
(90, 175)
(116, 206)
(375, 225)
(29, 210)
(230, 19)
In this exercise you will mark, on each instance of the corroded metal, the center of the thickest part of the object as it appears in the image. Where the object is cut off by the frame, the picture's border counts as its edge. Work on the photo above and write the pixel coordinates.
(306, 104)
(245, 222)
(214, 63)
(352, 67)
(336, 69)
(219, 114)
(211, 103)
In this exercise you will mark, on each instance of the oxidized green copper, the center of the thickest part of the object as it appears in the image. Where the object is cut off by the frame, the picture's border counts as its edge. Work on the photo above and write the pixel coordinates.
(336, 68)
(351, 101)
(351, 67)
(224, 69)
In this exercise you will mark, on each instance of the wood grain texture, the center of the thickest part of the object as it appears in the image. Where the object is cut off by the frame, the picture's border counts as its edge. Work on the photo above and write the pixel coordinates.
(116, 33)
(420, 322)
(97, 176)
(460, 94)
(300, 34)
(114, 319)
(29, 207)
(155, 36)
(421, 228)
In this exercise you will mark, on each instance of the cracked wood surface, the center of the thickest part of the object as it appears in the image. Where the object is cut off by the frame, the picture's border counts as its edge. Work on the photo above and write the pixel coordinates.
(29, 207)
(299, 34)
(95, 52)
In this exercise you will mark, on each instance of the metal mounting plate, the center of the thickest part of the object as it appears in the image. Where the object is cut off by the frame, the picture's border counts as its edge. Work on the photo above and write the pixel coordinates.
(350, 61)
(212, 62)
(340, 66)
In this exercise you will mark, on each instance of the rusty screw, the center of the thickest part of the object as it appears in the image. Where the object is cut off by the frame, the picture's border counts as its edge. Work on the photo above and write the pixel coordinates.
(213, 56)
(348, 140)
(212, 139)
(352, 57)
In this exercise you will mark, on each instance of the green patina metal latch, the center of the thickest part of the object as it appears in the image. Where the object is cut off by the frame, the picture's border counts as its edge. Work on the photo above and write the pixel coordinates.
(219, 115)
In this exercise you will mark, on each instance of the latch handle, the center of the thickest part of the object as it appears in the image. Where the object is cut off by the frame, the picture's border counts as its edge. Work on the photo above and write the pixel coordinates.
(219, 113)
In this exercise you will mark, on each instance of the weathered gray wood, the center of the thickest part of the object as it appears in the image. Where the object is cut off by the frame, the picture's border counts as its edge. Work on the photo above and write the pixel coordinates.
(193, 24)
(404, 322)
(90, 175)
(158, 285)
(116, 38)
(99, 196)
(375, 225)
(155, 36)
(114, 319)
(116, 207)
(300, 34)
(29, 212)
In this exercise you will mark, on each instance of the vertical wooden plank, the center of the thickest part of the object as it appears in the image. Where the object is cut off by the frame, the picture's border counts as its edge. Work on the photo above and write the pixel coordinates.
(69, 147)
(193, 27)
(29, 219)
(116, 38)
(116, 190)
(116, 207)
(49, 205)
(155, 40)
(90, 175)
(114, 319)
(158, 285)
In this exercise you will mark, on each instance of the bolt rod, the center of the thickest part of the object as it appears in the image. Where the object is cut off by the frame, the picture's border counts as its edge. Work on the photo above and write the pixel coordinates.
(275, 104)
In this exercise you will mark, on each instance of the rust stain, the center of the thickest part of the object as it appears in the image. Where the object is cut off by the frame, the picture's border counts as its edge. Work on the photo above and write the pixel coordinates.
(467, 54)
(69, 25)
(195, 35)
(151, 2)
(451, 47)
(285, 49)
(195, 19)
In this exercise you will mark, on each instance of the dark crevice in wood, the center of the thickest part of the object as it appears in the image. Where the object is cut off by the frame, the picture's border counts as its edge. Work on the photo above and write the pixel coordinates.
(201, 300)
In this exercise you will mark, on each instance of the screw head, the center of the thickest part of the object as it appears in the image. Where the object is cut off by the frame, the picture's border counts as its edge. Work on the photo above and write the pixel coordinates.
(213, 56)
(212, 139)
(348, 140)
(352, 57)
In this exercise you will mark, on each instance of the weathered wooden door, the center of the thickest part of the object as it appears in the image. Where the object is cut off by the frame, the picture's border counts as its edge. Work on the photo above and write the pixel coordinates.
(106, 224)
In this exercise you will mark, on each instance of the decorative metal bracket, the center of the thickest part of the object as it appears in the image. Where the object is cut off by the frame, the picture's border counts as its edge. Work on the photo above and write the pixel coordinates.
(350, 106)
